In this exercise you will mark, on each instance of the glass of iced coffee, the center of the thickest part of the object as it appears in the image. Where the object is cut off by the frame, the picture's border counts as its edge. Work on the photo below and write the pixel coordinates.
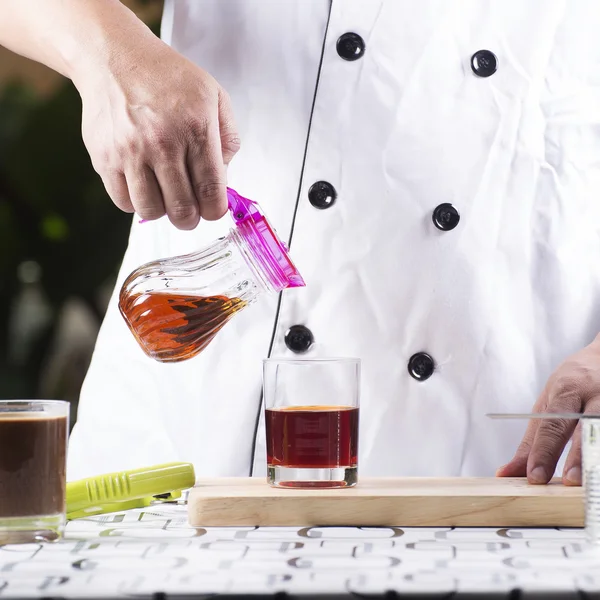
(33, 451)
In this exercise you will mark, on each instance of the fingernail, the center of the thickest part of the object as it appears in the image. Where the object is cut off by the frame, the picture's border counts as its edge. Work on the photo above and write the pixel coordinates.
(538, 475)
(574, 475)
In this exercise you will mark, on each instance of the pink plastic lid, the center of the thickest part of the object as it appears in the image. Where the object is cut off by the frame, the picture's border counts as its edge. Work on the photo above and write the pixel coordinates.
(266, 247)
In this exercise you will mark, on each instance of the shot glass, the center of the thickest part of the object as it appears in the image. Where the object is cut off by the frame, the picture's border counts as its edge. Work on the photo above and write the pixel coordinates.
(33, 451)
(590, 450)
(311, 417)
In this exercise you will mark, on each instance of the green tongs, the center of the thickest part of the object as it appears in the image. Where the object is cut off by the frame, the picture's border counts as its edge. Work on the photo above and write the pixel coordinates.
(137, 488)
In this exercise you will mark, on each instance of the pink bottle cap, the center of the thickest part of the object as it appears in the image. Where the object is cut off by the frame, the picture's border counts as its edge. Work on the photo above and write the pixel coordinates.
(264, 244)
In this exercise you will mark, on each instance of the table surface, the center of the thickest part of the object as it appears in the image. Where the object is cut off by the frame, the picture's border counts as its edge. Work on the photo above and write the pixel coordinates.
(141, 552)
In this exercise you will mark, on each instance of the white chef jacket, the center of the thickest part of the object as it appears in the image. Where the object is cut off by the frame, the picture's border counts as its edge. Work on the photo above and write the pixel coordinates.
(497, 302)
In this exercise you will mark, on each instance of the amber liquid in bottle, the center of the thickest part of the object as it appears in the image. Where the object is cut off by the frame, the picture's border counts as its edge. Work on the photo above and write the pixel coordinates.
(174, 327)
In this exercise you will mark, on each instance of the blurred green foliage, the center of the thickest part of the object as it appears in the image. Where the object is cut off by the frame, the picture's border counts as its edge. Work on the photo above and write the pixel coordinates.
(57, 220)
(53, 211)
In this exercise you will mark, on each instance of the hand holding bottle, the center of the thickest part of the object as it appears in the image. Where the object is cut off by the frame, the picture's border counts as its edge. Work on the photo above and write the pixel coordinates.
(159, 129)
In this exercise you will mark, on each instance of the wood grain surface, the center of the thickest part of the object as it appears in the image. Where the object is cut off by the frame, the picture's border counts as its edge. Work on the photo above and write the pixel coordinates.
(399, 502)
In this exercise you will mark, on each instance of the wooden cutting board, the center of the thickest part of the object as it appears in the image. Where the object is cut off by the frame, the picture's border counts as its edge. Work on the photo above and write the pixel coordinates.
(397, 502)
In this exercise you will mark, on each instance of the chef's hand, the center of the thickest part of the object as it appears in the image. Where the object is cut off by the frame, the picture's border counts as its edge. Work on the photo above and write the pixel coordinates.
(160, 132)
(573, 387)
(159, 129)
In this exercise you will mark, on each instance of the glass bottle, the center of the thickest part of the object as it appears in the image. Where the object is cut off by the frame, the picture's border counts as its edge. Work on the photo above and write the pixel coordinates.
(175, 306)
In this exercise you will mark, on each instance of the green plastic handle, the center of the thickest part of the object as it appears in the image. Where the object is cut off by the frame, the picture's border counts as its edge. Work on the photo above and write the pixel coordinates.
(96, 494)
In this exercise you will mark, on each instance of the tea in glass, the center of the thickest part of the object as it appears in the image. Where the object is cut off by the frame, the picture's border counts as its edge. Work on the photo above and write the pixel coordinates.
(311, 418)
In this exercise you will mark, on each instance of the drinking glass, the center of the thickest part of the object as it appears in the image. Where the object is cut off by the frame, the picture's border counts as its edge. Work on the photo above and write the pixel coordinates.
(311, 417)
(33, 451)
(590, 449)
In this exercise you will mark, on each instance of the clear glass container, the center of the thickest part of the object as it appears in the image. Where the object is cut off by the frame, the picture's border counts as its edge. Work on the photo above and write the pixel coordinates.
(590, 449)
(311, 420)
(33, 462)
(174, 307)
